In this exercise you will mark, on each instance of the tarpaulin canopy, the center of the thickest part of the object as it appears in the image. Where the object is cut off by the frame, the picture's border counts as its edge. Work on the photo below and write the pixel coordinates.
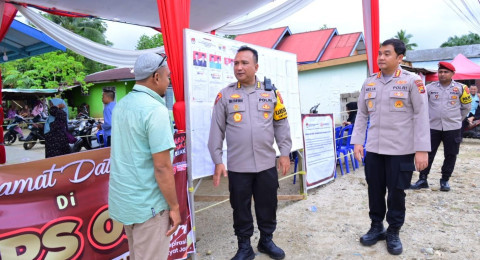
(464, 69)
(23, 41)
(205, 15)
(16, 94)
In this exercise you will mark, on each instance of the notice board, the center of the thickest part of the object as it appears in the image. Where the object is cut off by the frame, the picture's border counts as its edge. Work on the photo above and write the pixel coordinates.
(208, 67)
(320, 155)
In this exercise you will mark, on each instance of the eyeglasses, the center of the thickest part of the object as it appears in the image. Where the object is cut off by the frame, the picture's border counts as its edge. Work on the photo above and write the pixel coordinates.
(164, 58)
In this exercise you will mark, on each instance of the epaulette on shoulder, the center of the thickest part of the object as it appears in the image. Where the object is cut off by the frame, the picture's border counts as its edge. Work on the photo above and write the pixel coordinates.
(232, 84)
(374, 75)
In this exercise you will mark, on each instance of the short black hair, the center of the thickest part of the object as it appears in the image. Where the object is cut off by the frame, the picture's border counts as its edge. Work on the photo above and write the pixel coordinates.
(109, 93)
(397, 44)
(246, 48)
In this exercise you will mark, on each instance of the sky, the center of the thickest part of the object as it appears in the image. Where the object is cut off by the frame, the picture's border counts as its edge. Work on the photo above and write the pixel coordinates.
(430, 22)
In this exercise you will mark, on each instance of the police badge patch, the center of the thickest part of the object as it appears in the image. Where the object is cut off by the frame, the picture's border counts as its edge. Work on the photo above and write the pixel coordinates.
(420, 86)
(219, 96)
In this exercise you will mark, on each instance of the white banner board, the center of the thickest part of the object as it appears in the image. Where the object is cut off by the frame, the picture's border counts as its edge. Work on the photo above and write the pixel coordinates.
(208, 69)
(320, 155)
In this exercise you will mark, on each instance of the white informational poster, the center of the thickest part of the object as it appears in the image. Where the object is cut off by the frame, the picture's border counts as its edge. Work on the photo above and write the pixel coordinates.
(320, 155)
(208, 69)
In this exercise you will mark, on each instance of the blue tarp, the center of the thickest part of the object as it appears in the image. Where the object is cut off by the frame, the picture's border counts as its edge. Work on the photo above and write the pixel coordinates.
(23, 41)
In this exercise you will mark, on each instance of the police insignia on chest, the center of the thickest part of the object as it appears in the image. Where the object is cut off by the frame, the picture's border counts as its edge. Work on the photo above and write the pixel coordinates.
(237, 117)
(398, 104)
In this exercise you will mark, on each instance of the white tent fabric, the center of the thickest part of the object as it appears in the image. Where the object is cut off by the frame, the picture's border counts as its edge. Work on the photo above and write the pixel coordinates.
(85, 47)
(263, 20)
(205, 16)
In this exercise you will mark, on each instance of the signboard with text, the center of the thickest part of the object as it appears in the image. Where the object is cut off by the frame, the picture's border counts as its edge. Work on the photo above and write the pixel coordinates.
(320, 155)
(57, 208)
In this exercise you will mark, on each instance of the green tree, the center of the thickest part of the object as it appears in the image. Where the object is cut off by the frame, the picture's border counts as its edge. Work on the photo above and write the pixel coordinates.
(471, 38)
(405, 38)
(230, 36)
(323, 27)
(50, 70)
(90, 28)
(148, 42)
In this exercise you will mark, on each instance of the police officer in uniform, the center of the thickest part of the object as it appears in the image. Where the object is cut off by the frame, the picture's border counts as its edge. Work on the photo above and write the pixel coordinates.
(251, 115)
(398, 141)
(449, 104)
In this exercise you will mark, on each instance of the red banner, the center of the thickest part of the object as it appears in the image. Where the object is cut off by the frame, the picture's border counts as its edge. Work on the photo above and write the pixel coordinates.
(57, 208)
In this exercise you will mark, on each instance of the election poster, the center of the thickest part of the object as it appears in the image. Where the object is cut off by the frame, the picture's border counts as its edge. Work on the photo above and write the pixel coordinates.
(209, 67)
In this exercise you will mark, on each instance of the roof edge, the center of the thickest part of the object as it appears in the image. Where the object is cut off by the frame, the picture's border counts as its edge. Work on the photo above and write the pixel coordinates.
(322, 51)
(287, 30)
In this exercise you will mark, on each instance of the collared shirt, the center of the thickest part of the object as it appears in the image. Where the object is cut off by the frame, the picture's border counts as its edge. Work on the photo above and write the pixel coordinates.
(107, 117)
(140, 127)
(246, 118)
(446, 111)
(398, 111)
(474, 103)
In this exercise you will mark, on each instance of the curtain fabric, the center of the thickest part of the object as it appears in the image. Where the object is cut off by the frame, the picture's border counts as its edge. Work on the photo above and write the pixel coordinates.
(8, 14)
(264, 19)
(174, 17)
(371, 25)
(85, 47)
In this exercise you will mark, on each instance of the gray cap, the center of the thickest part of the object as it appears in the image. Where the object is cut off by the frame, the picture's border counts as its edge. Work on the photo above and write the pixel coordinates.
(147, 64)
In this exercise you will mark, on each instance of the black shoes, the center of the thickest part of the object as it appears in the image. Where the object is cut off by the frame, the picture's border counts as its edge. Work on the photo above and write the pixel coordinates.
(376, 232)
(420, 184)
(394, 245)
(444, 186)
(245, 250)
(266, 246)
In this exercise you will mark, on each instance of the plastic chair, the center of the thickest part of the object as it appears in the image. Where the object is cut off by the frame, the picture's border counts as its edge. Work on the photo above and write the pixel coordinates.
(346, 149)
(351, 147)
(337, 140)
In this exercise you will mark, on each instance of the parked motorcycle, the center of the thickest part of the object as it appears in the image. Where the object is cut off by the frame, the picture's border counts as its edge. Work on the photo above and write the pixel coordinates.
(85, 130)
(36, 134)
(13, 130)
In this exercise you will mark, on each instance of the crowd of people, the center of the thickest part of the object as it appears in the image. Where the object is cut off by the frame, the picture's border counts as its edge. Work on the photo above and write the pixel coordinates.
(52, 119)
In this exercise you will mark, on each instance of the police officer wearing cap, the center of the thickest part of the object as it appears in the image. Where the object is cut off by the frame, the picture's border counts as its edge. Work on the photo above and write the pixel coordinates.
(449, 104)
(251, 115)
(398, 141)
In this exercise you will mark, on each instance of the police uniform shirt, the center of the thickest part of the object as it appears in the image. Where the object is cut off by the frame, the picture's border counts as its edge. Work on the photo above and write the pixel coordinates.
(398, 111)
(245, 116)
(447, 109)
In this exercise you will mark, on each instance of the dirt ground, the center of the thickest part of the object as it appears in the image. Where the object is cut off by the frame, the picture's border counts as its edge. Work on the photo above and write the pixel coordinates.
(438, 225)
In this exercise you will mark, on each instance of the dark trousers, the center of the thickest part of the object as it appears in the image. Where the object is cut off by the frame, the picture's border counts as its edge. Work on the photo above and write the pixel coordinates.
(392, 172)
(263, 186)
(109, 141)
(451, 145)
